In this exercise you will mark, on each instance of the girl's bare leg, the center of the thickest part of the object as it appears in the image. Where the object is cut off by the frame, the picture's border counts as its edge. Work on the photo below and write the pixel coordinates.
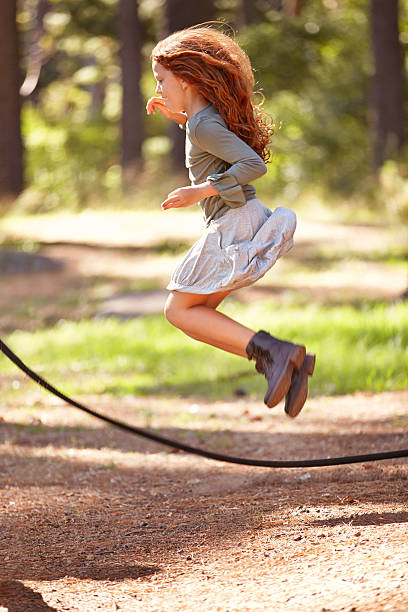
(196, 316)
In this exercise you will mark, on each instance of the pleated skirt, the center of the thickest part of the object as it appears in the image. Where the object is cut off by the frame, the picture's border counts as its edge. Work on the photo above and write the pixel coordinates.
(235, 250)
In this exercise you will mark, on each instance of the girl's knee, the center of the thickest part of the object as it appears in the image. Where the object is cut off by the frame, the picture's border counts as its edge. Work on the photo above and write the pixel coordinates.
(179, 305)
(172, 312)
(168, 312)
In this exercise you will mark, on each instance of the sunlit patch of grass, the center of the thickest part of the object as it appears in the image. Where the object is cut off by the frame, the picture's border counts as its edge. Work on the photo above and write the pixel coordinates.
(170, 247)
(322, 259)
(21, 246)
(358, 349)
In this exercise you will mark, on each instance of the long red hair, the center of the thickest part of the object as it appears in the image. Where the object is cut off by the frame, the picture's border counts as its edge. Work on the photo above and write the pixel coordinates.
(221, 72)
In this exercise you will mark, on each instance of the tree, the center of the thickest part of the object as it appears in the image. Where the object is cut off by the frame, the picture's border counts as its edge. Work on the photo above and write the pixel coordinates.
(11, 146)
(132, 104)
(248, 12)
(293, 7)
(388, 81)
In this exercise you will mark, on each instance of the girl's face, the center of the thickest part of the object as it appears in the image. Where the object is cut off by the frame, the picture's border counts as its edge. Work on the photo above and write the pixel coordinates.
(171, 88)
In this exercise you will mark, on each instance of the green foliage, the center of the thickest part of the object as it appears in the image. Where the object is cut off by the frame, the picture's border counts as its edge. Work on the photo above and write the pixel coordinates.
(358, 349)
(69, 164)
(393, 192)
(315, 73)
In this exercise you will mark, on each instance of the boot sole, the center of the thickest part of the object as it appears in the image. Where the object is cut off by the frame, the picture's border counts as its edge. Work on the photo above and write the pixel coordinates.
(294, 359)
(293, 407)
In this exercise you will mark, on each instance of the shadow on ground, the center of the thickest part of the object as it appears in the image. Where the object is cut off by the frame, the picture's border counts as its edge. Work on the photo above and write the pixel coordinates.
(17, 597)
(269, 444)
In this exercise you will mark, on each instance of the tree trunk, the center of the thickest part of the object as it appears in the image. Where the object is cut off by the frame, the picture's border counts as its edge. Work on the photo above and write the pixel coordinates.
(182, 14)
(293, 7)
(96, 89)
(388, 81)
(132, 104)
(248, 12)
(11, 146)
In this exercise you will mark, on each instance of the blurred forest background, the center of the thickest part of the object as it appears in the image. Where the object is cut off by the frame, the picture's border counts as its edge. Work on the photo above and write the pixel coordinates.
(83, 171)
(85, 254)
(75, 76)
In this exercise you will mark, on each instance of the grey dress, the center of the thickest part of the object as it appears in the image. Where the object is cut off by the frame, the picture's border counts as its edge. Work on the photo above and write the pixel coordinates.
(242, 238)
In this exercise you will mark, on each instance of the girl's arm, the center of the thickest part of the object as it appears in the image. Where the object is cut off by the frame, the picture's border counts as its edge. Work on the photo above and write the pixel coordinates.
(186, 196)
(158, 104)
(244, 167)
(243, 164)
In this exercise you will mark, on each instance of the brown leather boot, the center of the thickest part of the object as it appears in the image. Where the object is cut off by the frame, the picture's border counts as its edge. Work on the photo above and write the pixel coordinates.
(297, 394)
(276, 359)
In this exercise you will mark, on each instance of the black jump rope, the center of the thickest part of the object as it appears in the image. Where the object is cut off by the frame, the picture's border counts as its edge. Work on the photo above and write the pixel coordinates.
(307, 463)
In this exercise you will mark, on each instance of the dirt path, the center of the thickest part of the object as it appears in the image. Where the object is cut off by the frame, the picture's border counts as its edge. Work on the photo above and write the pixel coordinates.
(101, 264)
(95, 519)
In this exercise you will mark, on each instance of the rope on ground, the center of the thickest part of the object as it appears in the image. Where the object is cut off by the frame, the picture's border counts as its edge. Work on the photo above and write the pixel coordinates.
(306, 463)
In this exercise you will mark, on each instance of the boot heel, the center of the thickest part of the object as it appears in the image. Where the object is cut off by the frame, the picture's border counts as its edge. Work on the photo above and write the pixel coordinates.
(298, 356)
(310, 363)
(297, 394)
(293, 361)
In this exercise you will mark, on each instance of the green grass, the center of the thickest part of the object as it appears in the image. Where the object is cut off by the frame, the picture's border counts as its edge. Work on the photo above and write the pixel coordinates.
(358, 349)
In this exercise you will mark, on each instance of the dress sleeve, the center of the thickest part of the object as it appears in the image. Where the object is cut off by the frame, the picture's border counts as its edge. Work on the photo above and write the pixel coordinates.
(245, 165)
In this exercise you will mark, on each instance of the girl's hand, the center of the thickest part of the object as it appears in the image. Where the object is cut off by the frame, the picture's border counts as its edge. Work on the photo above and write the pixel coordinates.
(179, 198)
(158, 104)
(186, 196)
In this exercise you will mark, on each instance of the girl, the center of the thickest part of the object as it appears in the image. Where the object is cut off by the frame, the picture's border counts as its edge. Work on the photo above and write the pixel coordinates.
(205, 84)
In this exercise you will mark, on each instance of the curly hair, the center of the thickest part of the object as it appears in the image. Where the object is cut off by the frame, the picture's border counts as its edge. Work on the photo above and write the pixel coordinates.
(222, 73)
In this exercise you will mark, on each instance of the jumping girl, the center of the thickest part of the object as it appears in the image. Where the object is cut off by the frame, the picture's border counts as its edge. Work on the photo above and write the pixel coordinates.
(205, 84)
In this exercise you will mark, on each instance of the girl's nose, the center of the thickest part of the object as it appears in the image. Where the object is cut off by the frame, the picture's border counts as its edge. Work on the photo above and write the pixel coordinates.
(158, 89)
